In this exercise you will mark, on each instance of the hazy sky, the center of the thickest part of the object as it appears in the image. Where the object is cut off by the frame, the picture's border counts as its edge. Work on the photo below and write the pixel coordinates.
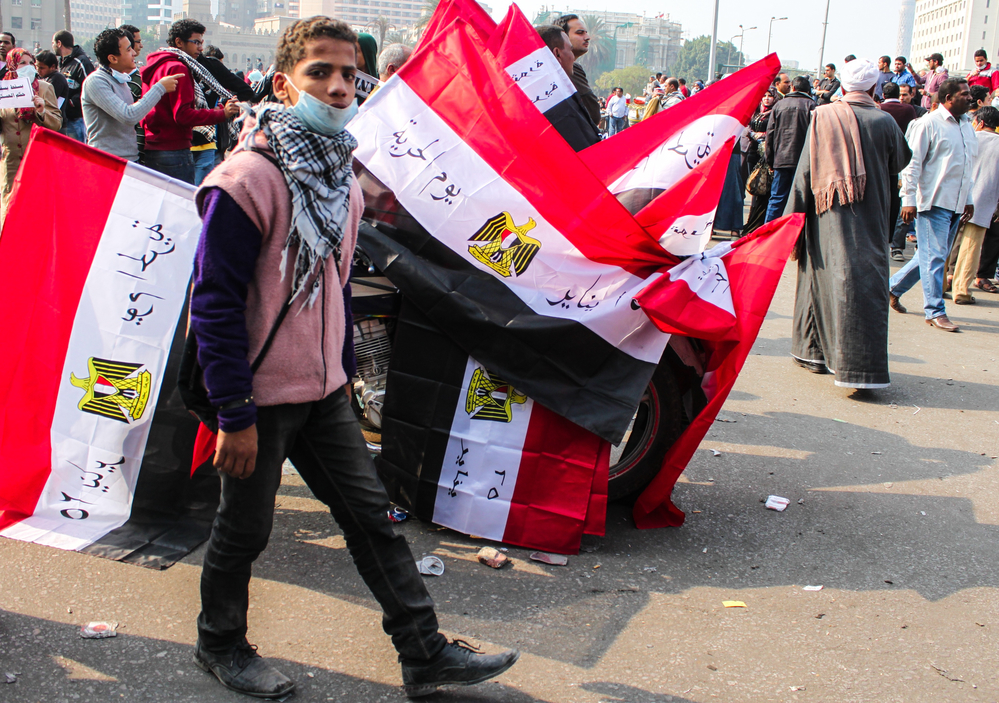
(867, 28)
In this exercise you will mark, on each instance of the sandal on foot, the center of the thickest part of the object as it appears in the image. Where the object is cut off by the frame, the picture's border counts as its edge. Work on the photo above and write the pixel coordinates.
(986, 285)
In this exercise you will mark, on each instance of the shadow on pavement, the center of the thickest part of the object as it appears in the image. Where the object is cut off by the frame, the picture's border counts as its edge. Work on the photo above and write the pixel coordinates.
(621, 693)
(853, 540)
(55, 665)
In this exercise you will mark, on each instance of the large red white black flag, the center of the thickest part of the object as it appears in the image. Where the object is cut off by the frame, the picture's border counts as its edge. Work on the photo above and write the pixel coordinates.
(91, 298)
(555, 257)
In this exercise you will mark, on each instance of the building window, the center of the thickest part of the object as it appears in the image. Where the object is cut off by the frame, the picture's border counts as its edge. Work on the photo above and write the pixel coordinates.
(17, 23)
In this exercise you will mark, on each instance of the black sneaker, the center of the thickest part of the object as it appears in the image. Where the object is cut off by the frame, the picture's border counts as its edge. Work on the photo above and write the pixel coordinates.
(896, 255)
(242, 669)
(458, 664)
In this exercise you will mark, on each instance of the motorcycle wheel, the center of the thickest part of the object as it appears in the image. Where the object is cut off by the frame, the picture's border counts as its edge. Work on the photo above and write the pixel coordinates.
(660, 420)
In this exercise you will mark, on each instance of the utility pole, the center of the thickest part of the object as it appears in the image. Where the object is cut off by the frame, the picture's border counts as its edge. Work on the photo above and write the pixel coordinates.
(770, 31)
(712, 55)
(741, 38)
(822, 48)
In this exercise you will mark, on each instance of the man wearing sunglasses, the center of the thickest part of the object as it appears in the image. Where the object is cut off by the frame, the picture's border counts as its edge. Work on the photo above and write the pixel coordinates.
(170, 126)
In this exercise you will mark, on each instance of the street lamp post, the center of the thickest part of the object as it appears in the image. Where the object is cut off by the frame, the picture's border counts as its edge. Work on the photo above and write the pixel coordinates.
(742, 36)
(771, 30)
(713, 51)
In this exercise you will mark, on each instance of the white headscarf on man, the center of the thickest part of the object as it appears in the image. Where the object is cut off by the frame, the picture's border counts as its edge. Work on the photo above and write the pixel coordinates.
(858, 75)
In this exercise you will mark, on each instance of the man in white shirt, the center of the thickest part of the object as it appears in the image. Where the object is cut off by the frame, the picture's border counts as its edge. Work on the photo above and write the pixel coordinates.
(937, 194)
(617, 109)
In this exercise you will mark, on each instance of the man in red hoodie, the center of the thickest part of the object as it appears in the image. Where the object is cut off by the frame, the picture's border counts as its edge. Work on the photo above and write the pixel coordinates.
(170, 125)
(983, 74)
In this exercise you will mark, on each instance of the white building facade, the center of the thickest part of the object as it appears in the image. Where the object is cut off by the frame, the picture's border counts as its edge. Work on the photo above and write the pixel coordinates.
(955, 29)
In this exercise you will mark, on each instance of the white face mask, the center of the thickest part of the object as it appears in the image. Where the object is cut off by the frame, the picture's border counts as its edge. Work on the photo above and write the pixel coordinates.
(119, 76)
(319, 117)
(27, 72)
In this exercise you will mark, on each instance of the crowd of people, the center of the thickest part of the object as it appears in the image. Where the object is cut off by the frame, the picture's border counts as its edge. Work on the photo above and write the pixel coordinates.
(874, 155)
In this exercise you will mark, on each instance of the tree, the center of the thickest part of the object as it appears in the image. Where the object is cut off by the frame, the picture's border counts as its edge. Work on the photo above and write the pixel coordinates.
(692, 61)
(601, 55)
(398, 38)
(381, 27)
(429, 6)
(633, 79)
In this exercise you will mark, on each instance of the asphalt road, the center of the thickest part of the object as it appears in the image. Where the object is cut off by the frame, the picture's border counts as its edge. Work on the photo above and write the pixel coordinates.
(893, 512)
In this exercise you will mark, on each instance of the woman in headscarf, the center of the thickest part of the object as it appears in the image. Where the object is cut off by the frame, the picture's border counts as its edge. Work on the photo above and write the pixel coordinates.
(758, 132)
(367, 54)
(15, 123)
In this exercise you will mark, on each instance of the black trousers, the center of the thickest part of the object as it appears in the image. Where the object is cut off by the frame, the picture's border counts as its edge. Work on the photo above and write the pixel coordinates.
(324, 442)
(990, 252)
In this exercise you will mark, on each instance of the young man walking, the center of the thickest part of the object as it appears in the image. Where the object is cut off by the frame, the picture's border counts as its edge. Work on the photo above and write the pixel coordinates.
(280, 222)
(937, 195)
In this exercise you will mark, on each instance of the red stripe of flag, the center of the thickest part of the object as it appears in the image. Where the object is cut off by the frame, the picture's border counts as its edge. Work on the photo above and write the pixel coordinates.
(754, 268)
(551, 500)
(514, 38)
(45, 258)
(447, 11)
(470, 92)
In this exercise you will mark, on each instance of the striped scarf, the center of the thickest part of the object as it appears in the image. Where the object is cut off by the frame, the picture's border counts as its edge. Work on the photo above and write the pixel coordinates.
(203, 80)
(317, 169)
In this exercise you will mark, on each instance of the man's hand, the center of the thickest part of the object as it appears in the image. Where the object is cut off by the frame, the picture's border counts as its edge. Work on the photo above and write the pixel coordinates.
(908, 215)
(969, 212)
(236, 452)
(169, 83)
(231, 108)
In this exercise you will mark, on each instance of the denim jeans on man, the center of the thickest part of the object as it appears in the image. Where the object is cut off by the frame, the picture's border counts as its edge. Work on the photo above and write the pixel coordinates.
(780, 189)
(935, 230)
(75, 129)
(204, 162)
(617, 124)
(177, 164)
(324, 442)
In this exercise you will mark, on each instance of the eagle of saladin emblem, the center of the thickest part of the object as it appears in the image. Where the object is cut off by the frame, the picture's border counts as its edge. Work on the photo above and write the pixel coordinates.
(491, 398)
(114, 389)
(504, 246)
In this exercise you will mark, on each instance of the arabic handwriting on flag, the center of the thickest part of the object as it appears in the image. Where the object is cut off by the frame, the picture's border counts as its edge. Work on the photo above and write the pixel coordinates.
(449, 194)
(398, 147)
(453, 490)
(461, 457)
(135, 316)
(692, 153)
(564, 301)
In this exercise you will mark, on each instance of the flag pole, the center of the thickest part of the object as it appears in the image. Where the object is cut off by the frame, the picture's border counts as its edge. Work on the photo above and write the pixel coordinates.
(714, 44)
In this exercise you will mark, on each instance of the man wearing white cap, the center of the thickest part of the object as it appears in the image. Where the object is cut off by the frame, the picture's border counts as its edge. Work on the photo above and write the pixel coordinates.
(853, 153)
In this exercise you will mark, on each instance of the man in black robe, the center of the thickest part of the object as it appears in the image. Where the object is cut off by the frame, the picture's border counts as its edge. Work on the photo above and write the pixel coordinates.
(853, 151)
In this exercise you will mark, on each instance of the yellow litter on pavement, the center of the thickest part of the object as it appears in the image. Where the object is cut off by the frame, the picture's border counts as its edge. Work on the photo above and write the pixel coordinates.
(733, 604)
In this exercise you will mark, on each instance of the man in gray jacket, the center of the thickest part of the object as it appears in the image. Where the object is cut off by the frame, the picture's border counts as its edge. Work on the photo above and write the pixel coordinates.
(108, 110)
(785, 140)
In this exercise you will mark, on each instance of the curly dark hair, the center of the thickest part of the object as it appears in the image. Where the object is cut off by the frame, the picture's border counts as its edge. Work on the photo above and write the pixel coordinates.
(183, 29)
(108, 43)
(291, 45)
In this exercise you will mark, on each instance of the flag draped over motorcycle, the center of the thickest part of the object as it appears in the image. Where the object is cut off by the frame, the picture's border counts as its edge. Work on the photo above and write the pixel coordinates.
(531, 280)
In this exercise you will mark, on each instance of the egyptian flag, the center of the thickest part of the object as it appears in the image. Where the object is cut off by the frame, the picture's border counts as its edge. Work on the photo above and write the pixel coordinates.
(527, 264)
(641, 162)
(447, 11)
(531, 64)
(91, 293)
(740, 278)
(491, 461)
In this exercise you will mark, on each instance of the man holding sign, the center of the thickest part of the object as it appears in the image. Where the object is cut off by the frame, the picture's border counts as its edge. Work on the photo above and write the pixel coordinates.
(24, 101)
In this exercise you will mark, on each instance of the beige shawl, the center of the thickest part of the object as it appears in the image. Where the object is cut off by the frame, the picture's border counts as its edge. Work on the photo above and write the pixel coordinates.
(837, 159)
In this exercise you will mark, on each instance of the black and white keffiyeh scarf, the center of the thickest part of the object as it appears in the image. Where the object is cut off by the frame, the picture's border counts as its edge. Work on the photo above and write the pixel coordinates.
(204, 80)
(317, 169)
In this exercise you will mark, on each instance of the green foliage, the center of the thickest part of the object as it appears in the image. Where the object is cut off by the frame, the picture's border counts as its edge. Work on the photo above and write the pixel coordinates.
(601, 55)
(692, 62)
(426, 13)
(633, 79)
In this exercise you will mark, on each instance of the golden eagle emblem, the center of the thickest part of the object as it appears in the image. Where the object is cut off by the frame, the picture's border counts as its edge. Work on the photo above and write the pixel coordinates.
(114, 389)
(504, 246)
(491, 398)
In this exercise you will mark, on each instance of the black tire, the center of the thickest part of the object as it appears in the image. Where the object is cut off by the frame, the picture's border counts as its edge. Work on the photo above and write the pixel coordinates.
(671, 401)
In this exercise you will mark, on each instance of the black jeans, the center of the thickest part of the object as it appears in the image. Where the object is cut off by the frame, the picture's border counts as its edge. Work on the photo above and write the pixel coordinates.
(324, 442)
(900, 232)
